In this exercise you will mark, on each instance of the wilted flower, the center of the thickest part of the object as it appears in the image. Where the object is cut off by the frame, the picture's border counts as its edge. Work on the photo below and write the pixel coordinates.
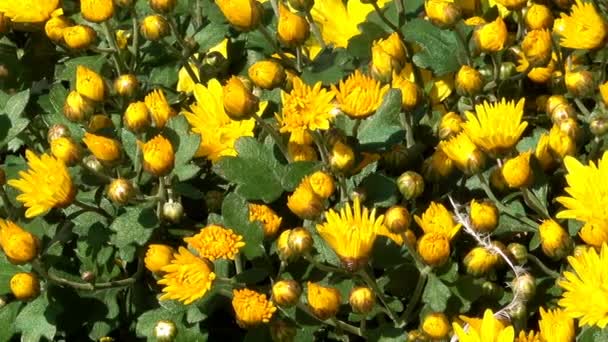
(187, 278)
(359, 95)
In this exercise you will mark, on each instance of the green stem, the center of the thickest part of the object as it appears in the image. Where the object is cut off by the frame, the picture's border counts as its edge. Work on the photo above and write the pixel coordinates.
(184, 61)
(533, 202)
(407, 126)
(274, 134)
(161, 194)
(315, 29)
(92, 208)
(384, 18)
(543, 267)
(268, 36)
(238, 264)
(411, 305)
(121, 66)
(8, 205)
(323, 267)
(581, 106)
(400, 12)
(135, 42)
(333, 322)
(318, 139)
(374, 286)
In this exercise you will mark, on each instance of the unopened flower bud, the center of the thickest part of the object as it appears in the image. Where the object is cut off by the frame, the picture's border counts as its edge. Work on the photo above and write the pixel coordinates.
(92, 163)
(362, 300)
(282, 331)
(491, 37)
(436, 325)
(300, 241)
(137, 116)
(442, 13)
(571, 128)
(519, 253)
(437, 167)
(468, 81)
(579, 83)
(165, 331)
(173, 211)
(561, 144)
(286, 293)
(79, 37)
(77, 108)
(120, 191)
(57, 131)
(538, 17)
(89, 84)
(292, 29)
(162, 6)
(267, 74)
(518, 311)
(410, 184)
(434, 248)
(66, 150)
(450, 125)
(88, 276)
(285, 252)
(517, 171)
(243, 15)
(397, 219)
(157, 257)
(54, 27)
(323, 301)
(322, 184)
(507, 69)
(342, 157)
(97, 11)
(553, 102)
(239, 102)
(154, 27)
(126, 85)
(396, 158)
(554, 240)
(562, 112)
(598, 126)
(304, 202)
(411, 95)
(25, 286)
(388, 57)
(479, 261)
(536, 47)
(524, 285)
(301, 152)
(484, 216)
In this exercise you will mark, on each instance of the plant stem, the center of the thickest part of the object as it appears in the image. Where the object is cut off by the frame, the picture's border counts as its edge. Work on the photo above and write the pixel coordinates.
(374, 286)
(411, 305)
(238, 264)
(268, 36)
(93, 208)
(542, 266)
(318, 139)
(400, 12)
(135, 43)
(333, 322)
(8, 205)
(274, 134)
(581, 106)
(315, 29)
(321, 266)
(112, 41)
(384, 18)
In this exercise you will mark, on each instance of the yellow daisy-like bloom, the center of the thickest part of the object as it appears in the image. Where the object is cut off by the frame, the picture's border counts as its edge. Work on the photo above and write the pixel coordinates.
(104, 149)
(47, 184)
(305, 109)
(496, 127)
(585, 295)
(269, 219)
(158, 156)
(251, 308)
(28, 11)
(359, 95)
(159, 108)
(208, 118)
(187, 278)
(588, 195)
(351, 233)
(464, 153)
(556, 325)
(490, 329)
(339, 22)
(216, 242)
(97, 11)
(584, 28)
(434, 248)
(437, 219)
(531, 336)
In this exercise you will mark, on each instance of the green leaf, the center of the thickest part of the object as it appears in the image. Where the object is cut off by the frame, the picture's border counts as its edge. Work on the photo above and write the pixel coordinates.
(235, 211)
(186, 172)
(135, 226)
(184, 143)
(165, 76)
(211, 35)
(381, 190)
(440, 52)
(38, 319)
(57, 96)
(255, 170)
(294, 172)
(7, 320)
(386, 333)
(147, 321)
(508, 223)
(94, 63)
(16, 104)
(7, 270)
(129, 143)
(436, 293)
(383, 128)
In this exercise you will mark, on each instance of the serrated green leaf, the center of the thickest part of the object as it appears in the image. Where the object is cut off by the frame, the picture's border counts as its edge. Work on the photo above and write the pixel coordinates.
(294, 172)
(129, 144)
(186, 172)
(440, 52)
(255, 170)
(211, 35)
(436, 293)
(235, 211)
(7, 270)
(383, 129)
(165, 76)
(381, 190)
(38, 319)
(8, 313)
(134, 226)
(94, 63)
(16, 104)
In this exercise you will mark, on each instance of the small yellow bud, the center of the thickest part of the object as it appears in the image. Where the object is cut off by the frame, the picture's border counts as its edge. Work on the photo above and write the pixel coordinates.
(536, 47)
(286, 293)
(322, 184)
(538, 17)
(517, 171)
(77, 108)
(157, 257)
(136, 116)
(89, 84)
(304, 202)
(162, 6)
(410, 184)
(498, 181)
(410, 92)
(267, 74)
(479, 261)
(437, 167)
(598, 126)
(484, 216)
(173, 211)
(301, 152)
(434, 248)
(55, 26)
(126, 85)
(106, 150)
(165, 331)
(25, 286)
(244, 15)
(397, 219)
(66, 150)
(579, 83)
(120, 191)
(519, 253)
(79, 37)
(468, 81)
(450, 125)
(553, 102)
(300, 241)
(554, 240)
(292, 29)
(239, 102)
(324, 302)
(561, 144)
(283, 249)
(388, 57)
(342, 157)
(97, 11)
(159, 108)
(19, 245)
(362, 300)
(571, 127)
(154, 27)
(442, 13)
(524, 286)
(491, 37)
(158, 156)
(436, 325)
(98, 122)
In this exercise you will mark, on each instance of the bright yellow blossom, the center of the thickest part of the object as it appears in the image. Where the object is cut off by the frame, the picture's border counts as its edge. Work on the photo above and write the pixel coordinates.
(28, 11)
(359, 95)
(556, 325)
(187, 278)
(584, 28)
(271, 222)
(490, 329)
(251, 308)
(463, 152)
(437, 219)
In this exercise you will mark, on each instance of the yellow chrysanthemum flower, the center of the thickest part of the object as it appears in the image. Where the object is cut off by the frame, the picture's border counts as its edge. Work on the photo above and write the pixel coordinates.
(556, 325)
(305, 109)
(464, 153)
(159, 108)
(531, 336)
(496, 127)
(588, 194)
(585, 294)
(209, 119)
(271, 222)
(490, 329)
(437, 219)
(28, 11)
(187, 278)
(216, 242)
(184, 81)
(251, 308)
(434, 248)
(158, 156)
(351, 233)
(339, 22)
(584, 28)
(359, 95)
(47, 184)
(441, 86)
(536, 74)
